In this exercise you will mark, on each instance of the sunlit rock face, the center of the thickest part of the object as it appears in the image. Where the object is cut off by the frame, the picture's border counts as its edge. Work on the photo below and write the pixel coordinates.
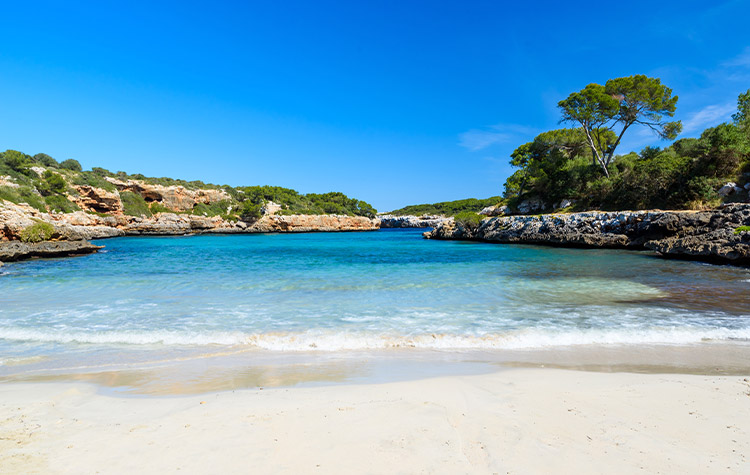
(176, 198)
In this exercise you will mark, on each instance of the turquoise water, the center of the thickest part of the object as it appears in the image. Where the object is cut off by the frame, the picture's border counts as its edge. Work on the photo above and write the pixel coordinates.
(338, 292)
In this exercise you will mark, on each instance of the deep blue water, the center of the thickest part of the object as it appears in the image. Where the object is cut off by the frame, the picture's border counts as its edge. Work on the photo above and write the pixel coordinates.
(342, 291)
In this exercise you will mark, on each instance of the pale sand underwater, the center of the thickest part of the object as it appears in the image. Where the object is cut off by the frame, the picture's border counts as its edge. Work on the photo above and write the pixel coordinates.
(512, 421)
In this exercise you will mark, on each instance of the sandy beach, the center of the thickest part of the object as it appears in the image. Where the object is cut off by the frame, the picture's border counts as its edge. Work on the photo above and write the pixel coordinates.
(526, 420)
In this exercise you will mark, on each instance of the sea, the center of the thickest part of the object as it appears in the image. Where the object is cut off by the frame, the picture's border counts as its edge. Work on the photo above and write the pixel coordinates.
(149, 302)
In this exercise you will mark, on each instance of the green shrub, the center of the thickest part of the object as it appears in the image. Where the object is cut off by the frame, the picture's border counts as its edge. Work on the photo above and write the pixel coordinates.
(56, 182)
(249, 211)
(133, 204)
(46, 160)
(468, 219)
(71, 164)
(742, 229)
(16, 160)
(37, 232)
(60, 204)
(157, 207)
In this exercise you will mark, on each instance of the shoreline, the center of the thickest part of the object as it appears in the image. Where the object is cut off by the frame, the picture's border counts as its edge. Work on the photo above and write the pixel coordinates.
(201, 370)
(511, 421)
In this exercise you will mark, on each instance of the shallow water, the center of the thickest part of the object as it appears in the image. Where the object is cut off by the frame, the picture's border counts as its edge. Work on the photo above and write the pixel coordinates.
(155, 299)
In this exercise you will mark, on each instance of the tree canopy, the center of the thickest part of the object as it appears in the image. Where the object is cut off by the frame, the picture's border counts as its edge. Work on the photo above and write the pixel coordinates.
(616, 106)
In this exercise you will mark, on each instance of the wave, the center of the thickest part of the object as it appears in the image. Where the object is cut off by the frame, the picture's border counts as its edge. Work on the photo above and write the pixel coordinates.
(342, 341)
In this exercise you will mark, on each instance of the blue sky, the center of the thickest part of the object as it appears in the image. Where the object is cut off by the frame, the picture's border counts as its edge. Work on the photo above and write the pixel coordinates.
(393, 102)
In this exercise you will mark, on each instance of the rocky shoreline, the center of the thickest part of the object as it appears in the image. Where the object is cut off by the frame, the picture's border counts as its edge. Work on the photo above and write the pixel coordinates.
(710, 236)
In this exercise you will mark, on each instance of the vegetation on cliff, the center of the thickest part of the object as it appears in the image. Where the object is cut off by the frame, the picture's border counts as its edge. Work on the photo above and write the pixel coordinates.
(46, 185)
(576, 168)
(448, 208)
(579, 164)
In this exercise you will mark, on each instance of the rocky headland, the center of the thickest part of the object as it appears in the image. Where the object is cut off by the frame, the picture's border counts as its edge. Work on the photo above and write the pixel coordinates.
(171, 211)
(714, 235)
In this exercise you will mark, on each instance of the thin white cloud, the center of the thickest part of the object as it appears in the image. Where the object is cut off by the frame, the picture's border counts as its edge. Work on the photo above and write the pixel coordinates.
(478, 139)
(741, 60)
(708, 116)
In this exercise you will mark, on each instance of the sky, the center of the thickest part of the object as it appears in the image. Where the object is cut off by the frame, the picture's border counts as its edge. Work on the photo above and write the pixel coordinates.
(392, 102)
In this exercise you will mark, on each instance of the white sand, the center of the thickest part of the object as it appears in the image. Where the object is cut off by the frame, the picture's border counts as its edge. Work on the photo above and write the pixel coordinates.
(515, 421)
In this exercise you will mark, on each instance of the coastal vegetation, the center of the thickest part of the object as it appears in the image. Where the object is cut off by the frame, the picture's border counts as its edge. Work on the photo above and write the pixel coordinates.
(468, 219)
(37, 232)
(448, 208)
(580, 165)
(51, 186)
(577, 168)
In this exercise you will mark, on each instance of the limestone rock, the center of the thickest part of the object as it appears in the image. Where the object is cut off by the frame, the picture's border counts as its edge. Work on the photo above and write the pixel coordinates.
(727, 189)
(704, 235)
(495, 210)
(38, 170)
(16, 250)
(176, 198)
(6, 180)
(565, 203)
(410, 221)
(312, 223)
(531, 205)
(97, 199)
(270, 209)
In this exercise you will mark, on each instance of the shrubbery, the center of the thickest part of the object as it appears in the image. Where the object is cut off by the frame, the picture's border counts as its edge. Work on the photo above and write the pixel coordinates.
(60, 204)
(133, 204)
(468, 219)
(559, 164)
(71, 164)
(37, 232)
(94, 178)
(22, 194)
(49, 191)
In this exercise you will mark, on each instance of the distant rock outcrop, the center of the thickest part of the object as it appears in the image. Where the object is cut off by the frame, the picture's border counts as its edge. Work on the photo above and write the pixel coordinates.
(701, 235)
(392, 221)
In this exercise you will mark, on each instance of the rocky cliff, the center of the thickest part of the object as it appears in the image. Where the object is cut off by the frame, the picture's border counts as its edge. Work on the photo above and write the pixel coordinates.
(702, 235)
(14, 218)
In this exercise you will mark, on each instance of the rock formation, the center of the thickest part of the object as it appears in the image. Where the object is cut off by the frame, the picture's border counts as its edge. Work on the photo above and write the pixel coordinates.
(409, 221)
(701, 235)
(15, 250)
(176, 198)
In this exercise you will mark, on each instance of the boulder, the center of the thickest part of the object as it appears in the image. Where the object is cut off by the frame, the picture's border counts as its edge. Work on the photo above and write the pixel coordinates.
(565, 203)
(270, 208)
(495, 210)
(727, 189)
(531, 205)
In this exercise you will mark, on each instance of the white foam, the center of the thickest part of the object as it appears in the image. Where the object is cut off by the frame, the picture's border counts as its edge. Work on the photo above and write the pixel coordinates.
(343, 341)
